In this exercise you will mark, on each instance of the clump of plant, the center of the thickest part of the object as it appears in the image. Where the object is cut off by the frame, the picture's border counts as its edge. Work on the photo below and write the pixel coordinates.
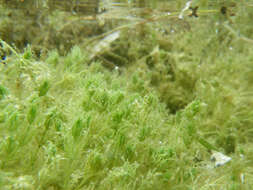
(69, 123)
(73, 124)
(44, 28)
(148, 48)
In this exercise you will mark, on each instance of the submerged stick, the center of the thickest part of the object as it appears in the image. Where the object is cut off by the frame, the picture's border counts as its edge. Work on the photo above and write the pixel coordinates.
(237, 34)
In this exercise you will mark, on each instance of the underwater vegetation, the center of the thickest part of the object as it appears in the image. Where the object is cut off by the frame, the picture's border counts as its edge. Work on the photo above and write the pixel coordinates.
(141, 105)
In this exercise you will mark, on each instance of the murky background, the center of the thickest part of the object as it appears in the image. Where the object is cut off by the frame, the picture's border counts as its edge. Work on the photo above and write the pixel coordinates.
(61, 24)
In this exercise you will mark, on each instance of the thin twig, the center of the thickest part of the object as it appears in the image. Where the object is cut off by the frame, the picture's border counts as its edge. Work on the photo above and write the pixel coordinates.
(237, 34)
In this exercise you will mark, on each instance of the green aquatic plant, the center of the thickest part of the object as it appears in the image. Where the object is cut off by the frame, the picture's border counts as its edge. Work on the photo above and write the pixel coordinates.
(3, 92)
(67, 122)
(43, 88)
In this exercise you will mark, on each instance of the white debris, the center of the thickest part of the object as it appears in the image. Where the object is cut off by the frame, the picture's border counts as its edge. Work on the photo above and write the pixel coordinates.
(105, 43)
(242, 178)
(187, 6)
(220, 159)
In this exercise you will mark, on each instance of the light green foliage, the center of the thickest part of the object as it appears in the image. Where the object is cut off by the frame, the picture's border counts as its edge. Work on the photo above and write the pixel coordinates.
(66, 123)
(27, 53)
(32, 114)
(53, 57)
(96, 127)
(43, 88)
(75, 56)
(3, 92)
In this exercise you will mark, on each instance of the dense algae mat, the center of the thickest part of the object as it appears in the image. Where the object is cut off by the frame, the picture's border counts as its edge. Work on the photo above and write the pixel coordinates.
(152, 125)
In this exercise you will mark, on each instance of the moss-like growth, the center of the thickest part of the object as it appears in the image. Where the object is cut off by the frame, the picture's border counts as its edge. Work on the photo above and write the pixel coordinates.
(175, 92)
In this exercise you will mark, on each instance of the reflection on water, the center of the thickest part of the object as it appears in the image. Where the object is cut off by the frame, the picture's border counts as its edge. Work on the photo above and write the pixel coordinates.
(61, 24)
(85, 6)
(158, 4)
